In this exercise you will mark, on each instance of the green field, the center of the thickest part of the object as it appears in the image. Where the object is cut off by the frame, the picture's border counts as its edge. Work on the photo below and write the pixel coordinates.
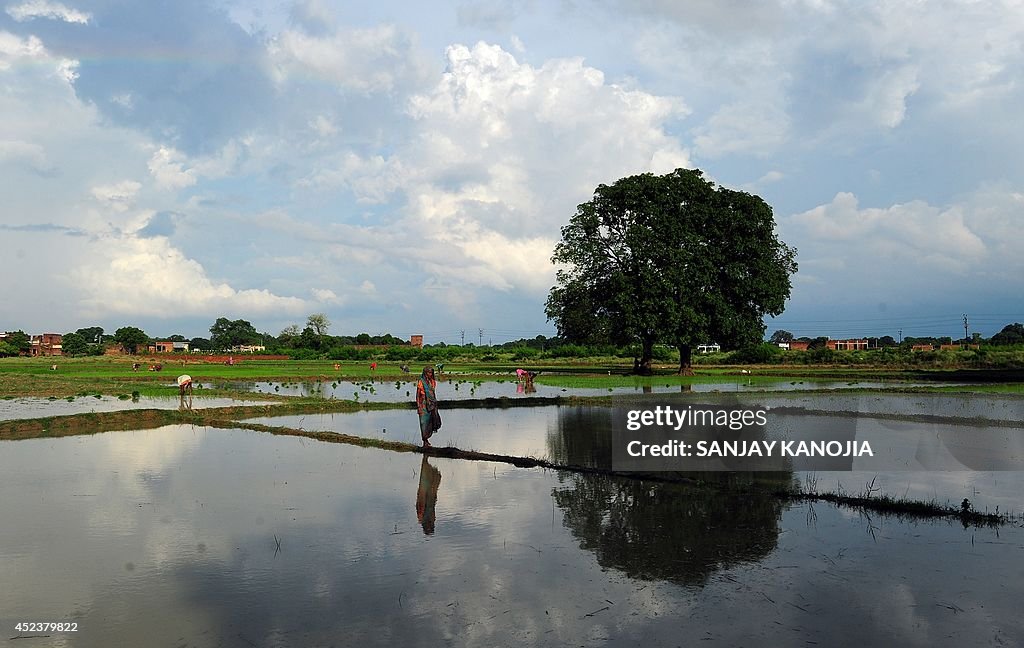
(114, 375)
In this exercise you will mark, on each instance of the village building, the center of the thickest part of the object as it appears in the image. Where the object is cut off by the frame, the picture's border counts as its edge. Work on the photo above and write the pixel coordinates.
(168, 346)
(248, 348)
(794, 345)
(416, 341)
(847, 345)
(46, 344)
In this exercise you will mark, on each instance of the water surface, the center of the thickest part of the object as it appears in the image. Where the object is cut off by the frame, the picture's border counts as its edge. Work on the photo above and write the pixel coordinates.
(188, 536)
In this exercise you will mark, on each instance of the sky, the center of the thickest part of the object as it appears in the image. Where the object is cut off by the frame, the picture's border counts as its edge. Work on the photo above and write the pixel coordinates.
(406, 167)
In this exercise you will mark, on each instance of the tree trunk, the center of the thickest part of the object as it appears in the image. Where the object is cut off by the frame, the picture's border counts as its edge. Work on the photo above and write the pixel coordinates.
(685, 360)
(647, 358)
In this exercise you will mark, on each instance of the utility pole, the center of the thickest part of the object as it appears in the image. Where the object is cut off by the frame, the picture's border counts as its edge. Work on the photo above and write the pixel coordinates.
(463, 334)
(965, 330)
(481, 337)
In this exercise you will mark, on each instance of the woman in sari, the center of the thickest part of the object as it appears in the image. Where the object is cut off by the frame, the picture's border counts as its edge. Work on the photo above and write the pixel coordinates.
(426, 405)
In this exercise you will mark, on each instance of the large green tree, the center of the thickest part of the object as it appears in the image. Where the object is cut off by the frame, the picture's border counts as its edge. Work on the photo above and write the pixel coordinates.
(92, 334)
(131, 338)
(1011, 334)
(670, 259)
(74, 344)
(20, 341)
(226, 333)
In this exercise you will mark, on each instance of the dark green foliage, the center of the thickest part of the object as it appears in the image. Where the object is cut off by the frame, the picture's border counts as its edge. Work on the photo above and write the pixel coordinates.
(73, 344)
(200, 344)
(1011, 334)
(131, 338)
(20, 341)
(757, 354)
(92, 334)
(669, 259)
(226, 333)
(781, 336)
(401, 353)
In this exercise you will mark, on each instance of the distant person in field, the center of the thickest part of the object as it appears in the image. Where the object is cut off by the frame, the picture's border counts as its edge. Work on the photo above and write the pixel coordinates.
(426, 405)
(184, 384)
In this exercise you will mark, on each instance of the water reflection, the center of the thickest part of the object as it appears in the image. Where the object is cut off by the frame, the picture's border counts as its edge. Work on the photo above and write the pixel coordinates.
(426, 496)
(667, 531)
(169, 536)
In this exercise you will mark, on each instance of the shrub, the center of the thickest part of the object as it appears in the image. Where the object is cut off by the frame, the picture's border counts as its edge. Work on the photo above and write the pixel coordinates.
(760, 354)
(401, 353)
(525, 353)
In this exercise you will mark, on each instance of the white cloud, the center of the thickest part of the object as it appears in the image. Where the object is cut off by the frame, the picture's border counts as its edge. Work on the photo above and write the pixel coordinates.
(912, 248)
(168, 169)
(46, 9)
(119, 196)
(742, 128)
(323, 126)
(150, 277)
(172, 169)
(21, 151)
(327, 296)
(14, 48)
(369, 60)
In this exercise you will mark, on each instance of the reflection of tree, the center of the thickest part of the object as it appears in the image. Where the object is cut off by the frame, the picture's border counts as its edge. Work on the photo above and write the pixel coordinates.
(583, 437)
(667, 531)
(652, 530)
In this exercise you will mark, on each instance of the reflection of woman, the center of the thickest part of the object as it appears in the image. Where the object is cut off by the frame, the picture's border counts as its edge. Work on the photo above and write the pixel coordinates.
(426, 405)
(426, 495)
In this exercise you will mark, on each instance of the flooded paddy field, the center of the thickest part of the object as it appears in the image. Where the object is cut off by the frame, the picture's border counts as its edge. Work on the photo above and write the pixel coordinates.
(193, 536)
(460, 389)
(919, 459)
(32, 407)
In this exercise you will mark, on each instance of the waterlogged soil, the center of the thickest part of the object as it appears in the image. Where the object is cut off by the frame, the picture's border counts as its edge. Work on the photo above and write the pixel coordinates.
(207, 537)
(30, 408)
(456, 389)
(942, 459)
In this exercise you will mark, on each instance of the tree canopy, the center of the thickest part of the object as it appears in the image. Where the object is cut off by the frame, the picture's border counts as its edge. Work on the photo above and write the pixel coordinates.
(669, 259)
(130, 338)
(781, 336)
(226, 333)
(1011, 334)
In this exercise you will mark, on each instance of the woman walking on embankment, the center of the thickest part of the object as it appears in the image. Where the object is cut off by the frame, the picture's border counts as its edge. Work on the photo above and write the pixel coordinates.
(426, 405)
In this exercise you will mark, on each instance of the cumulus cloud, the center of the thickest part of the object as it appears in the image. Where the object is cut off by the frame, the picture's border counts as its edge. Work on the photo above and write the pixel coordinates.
(46, 9)
(172, 169)
(13, 48)
(367, 60)
(119, 196)
(909, 247)
(24, 152)
(498, 155)
(150, 277)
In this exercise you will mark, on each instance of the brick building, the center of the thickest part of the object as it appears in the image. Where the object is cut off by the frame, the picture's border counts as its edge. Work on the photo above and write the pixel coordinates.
(46, 344)
(847, 345)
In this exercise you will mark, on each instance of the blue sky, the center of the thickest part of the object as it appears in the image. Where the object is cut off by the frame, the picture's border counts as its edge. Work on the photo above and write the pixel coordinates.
(406, 167)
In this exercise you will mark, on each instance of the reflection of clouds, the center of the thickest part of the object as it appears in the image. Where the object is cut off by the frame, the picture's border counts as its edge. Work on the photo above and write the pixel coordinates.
(500, 569)
(896, 607)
